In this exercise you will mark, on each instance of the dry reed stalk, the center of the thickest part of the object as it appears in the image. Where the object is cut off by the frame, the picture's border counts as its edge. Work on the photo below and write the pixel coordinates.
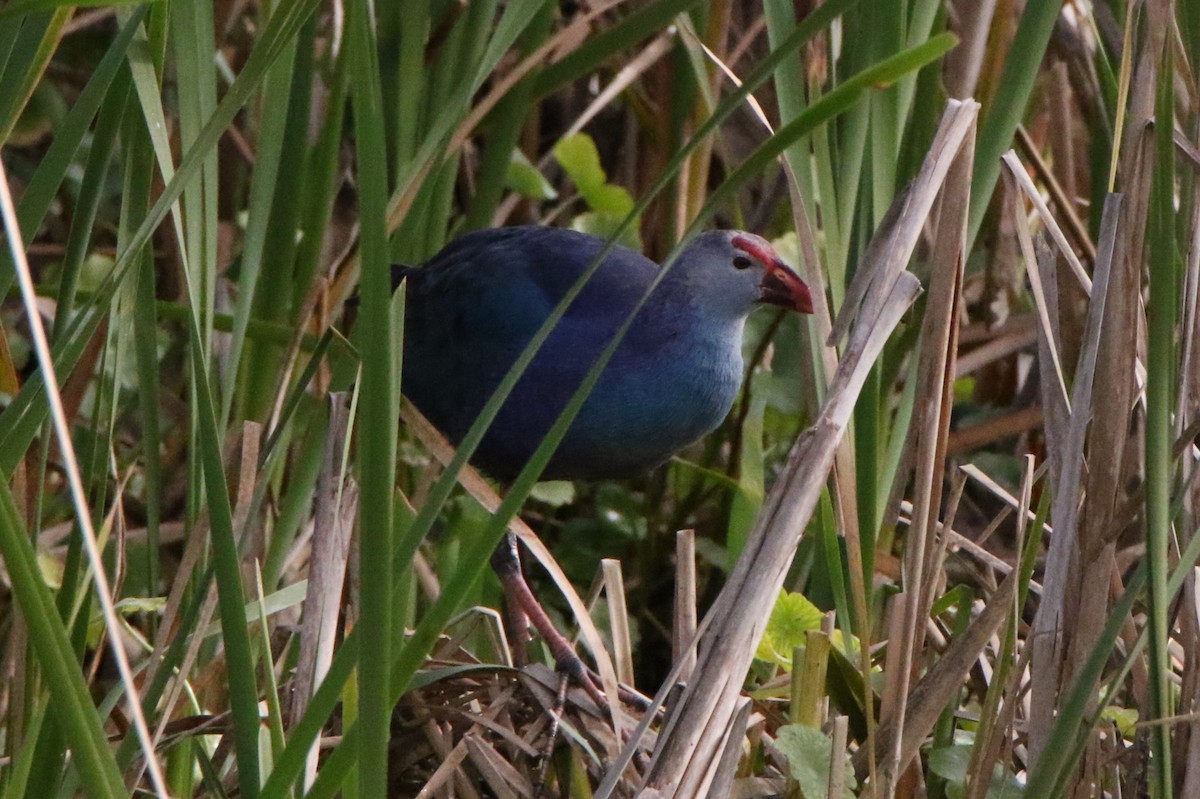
(683, 631)
(930, 426)
(1057, 613)
(336, 509)
(618, 619)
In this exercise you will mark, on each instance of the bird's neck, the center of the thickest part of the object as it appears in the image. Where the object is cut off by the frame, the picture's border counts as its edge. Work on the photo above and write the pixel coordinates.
(680, 330)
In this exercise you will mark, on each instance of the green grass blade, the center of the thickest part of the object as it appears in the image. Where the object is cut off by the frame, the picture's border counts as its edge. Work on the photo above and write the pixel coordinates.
(829, 106)
(20, 420)
(60, 155)
(378, 404)
(1008, 106)
(290, 762)
(281, 290)
(17, 8)
(243, 687)
(34, 48)
(16, 784)
(625, 34)
(790, 85)
(1055, 761)
(410, 83)
(1161, 312)
(139, 175)
(322, 172)
(191, 33)
(276, 96)
(92, 189)
(70, 703)
(1079, 713)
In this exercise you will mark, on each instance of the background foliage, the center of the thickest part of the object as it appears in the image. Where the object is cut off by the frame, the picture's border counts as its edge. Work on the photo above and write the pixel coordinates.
(194, 191)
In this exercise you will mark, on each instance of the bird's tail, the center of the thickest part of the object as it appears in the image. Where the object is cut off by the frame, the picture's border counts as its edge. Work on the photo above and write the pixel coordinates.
(399, 272)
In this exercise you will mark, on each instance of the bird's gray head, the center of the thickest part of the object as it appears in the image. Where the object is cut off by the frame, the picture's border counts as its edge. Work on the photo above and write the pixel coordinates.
(728, 272)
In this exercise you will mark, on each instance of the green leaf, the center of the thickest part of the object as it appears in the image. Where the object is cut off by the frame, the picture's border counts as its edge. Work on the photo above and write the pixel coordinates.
(791, 618)
(578, 157)
(525, 179)
(1124, 718)
(809, 755)
(51, 569)
(289, 596)
(378, 387)
(605, 225)
(554, 492)
(609, 199)
(600, 46)
(951, 763)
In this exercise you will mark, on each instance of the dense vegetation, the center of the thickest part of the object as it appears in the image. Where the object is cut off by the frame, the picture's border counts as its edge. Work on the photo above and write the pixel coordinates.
(235, 564)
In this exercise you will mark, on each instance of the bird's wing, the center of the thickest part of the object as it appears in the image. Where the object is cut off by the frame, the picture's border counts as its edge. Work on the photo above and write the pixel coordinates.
(475, 306)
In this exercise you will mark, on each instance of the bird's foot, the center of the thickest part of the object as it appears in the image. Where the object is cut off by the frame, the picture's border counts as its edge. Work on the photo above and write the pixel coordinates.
(556, 714)
(523, 609)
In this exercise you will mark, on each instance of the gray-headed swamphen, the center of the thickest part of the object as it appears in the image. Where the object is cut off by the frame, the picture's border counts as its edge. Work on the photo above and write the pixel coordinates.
(475, 305)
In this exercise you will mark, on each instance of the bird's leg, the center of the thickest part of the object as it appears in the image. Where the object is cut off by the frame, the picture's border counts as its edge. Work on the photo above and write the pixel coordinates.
(506, 563)
(524, 606)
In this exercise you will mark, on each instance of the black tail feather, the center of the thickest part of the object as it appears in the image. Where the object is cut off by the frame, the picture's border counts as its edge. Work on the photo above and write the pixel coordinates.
(399, 271)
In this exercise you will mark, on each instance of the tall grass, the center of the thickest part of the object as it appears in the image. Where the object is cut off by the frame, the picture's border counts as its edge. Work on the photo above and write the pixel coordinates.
(213, 519)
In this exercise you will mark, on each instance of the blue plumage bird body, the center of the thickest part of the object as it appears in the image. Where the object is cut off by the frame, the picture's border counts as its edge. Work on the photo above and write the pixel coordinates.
(474, 307)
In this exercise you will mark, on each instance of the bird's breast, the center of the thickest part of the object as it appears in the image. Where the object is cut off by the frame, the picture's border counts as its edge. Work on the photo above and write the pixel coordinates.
(651, 402)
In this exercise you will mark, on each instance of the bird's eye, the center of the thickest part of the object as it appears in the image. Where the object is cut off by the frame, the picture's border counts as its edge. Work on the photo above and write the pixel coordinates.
(742, 262)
